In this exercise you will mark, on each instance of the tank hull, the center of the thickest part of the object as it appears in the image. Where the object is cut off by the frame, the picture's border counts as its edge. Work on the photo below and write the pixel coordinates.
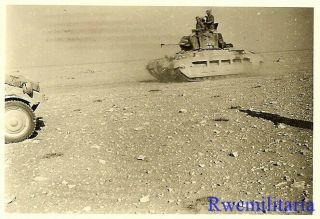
(205, 64)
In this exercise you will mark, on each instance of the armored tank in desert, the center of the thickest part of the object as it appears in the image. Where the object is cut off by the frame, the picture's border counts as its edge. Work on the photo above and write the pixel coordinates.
(22, 97)
(204, 55)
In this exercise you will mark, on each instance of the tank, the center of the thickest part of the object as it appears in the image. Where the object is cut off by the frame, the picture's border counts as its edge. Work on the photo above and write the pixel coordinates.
(22, 98)
(204, 55)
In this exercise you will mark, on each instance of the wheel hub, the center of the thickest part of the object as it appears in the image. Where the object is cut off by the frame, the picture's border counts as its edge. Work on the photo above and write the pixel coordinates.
(16, 121)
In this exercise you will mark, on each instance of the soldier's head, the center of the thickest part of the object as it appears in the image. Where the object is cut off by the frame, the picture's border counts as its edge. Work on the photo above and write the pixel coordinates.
(208, 12)
(198, 18)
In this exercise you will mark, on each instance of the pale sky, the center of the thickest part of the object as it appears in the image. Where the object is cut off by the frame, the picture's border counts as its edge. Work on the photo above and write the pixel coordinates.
(54, 35)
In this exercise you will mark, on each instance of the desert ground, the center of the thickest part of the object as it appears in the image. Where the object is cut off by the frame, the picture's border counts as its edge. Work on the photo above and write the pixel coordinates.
(111, 139)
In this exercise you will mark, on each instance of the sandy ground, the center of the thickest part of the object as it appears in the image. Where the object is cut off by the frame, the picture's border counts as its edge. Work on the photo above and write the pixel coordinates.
(111, 139)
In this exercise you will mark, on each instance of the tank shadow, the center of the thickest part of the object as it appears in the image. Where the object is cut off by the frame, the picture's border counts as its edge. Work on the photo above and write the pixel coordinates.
(277, 119)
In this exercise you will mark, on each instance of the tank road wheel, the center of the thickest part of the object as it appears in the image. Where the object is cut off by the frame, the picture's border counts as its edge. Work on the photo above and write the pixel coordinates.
(20, 121)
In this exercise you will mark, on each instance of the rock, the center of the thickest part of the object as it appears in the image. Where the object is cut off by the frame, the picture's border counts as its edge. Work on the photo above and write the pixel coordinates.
(144, 199)
(216, 132)
(40, 178)
(277, 164)
(64, 182)
(10, 199)
(141, 157)
(169, 189)
(183, 111)
(170, 200)
(102, 161)
(71, 186)
(299, 185)
(200, 154)
(138, 128)
(202, 165)
(95, 147)
(280, 184)
(234, 154)
(87, 208)
(281, 126)
(303, 152)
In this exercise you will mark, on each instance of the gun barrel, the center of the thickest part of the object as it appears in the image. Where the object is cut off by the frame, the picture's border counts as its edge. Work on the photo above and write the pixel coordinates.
(169, 44)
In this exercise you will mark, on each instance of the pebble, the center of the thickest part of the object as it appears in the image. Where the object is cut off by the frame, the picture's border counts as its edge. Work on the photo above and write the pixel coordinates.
(87, 208)
(183, 111)
(281, 184)
(138, 128)
(234, 154)
(10, 199)
(202, 165)
(102, 161)
(141, 157)
(300, 184)
(144, 199)
(40, 178)
(95, 147)
(216, 132)
(281, 126)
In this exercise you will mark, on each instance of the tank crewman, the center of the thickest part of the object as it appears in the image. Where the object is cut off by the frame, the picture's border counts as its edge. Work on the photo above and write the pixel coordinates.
(199, 25)
(198, 37)
(209, 20)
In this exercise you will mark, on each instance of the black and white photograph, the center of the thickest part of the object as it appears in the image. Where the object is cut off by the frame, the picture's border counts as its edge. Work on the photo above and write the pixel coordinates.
(159, 109)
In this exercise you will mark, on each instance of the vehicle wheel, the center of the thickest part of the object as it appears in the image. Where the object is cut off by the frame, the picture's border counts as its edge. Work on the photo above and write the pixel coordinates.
(20, 121)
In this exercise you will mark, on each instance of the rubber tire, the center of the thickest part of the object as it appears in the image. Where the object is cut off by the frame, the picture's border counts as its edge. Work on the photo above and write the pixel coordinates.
(28, 112)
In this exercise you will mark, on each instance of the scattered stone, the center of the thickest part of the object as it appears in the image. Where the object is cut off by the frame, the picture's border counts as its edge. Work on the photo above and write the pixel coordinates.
(280, 184)
(10, 199)
(40, 178)
(87, 208)
(183, 111)
(138, 128)
(64, 182)
(234, 154)
(102, 161)
(303, 152)
(141, 157)
(217, 132)
(202, 165)
(170, 200)
(200, 154)
(300, 184)
(169, 189)
(281, 126)
(221, 119)
(235, 107)
(71, 186)
(95, 147)
(278, 164)
(52, 155)
(144, 199)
